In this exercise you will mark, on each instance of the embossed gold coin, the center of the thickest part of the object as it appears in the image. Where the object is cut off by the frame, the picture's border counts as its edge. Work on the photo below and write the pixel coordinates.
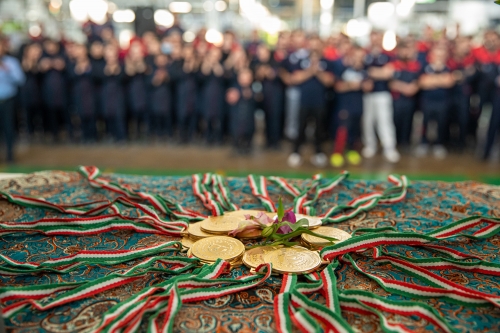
(213, 248)
(314, 241)
(187, 242)
(293, 260)
(255, 257)
(222, 225)
(195, 232)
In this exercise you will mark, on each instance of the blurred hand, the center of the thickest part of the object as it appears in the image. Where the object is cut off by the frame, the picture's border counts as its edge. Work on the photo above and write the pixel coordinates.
(58, 64)
(45, 64)
(367, 85)
(232, 96)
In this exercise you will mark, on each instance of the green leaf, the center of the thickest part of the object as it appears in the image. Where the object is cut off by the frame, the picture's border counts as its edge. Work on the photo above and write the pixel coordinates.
(497, 2)
(281, 210)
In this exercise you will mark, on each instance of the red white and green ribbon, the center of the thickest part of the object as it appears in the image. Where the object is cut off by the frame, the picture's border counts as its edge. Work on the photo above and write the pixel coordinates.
(368, 201)
(258, 185)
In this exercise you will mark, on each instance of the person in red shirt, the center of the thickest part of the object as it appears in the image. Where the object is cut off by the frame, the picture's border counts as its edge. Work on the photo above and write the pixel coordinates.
(461, 64)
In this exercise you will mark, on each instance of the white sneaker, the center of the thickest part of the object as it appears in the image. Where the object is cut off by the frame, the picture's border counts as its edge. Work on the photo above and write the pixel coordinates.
(319, 160)
(392, 155)
(421, 150)
(368, 152)
(294, 160)
(439, 152)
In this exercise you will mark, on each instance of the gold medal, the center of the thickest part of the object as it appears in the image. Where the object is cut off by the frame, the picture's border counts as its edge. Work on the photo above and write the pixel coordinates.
(222, 225)
(187, 242)
(255, 257)
(219, 247)
(195, 232)
(296, 260)
(314, 241)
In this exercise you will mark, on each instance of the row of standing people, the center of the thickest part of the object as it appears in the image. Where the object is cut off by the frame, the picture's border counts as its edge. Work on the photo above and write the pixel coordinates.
(199, 88)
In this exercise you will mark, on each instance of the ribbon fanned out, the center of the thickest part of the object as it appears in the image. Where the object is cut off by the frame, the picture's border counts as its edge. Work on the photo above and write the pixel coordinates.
(156, 305)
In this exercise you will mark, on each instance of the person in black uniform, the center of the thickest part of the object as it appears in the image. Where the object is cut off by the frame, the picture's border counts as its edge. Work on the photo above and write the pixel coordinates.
(266, 68)
(160, 97)
(312, 78)
(183, 72)
(113, 105)
(212, 94)
(83, 93)
(462, 65)
(242, 111)
(30, 91)
(351, 80)
(494, 126)
(435, 84)
(52, 66)
(97, 64)
(404, 88)
(136, 71)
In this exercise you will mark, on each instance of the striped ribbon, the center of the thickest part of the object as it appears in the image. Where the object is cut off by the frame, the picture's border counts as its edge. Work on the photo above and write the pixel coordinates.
(160, 203)
(201, 185)
(301, 204)
(258, 185)
(368, 201)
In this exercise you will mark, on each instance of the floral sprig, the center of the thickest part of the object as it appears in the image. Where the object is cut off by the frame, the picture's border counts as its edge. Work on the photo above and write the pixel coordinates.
(278, 231)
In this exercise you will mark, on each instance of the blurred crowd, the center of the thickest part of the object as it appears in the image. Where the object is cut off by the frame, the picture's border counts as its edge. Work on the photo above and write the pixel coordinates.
(327, 90)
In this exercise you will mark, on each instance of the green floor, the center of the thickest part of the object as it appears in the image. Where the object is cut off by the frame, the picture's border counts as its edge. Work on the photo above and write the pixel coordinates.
(489, 179)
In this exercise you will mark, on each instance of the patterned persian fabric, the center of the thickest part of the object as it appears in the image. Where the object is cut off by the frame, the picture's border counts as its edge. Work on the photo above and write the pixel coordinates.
(428, 205)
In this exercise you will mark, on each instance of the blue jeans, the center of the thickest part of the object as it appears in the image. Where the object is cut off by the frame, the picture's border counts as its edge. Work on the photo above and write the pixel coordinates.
(7, 126)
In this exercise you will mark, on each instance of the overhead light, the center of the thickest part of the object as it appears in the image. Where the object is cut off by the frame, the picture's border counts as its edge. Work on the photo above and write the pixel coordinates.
(326, 4)
(188, 36)
(214, 36)
(180, 7)
(112, 7)
(124, 16)
(164, 18)
(208, 6)
(35, 30)
(271, 24)
(357, 28)
(124, 38)
(389, 40)
(97, 11)
(220, 6)
(56, 4)
(78, 10)
(380, 11)
(404, 8)
(326, 18)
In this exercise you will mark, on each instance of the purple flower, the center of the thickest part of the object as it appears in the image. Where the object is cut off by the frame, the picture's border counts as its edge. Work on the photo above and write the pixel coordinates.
(288, 217)
(252, 226)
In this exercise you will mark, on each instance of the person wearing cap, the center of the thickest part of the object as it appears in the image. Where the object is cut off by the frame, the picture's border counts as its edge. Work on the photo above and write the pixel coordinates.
(11, 78)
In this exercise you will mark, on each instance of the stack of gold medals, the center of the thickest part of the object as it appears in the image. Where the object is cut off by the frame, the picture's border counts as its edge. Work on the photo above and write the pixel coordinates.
(208, 241)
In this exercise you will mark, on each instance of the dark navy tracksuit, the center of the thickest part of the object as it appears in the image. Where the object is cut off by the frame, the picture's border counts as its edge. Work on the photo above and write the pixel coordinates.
(113, 105)
(160, 99)
(212, 100)
(30, 95)
(349, 106)
(137, 95)
(185, 99)
(494, 126)
(82, 97)
(242, 123)
(460, 96)
(54, 85)
(405, 106)
(435, 106)
(272, 103)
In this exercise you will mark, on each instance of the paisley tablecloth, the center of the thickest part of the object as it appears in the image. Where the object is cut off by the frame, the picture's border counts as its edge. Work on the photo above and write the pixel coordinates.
(428, 205)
